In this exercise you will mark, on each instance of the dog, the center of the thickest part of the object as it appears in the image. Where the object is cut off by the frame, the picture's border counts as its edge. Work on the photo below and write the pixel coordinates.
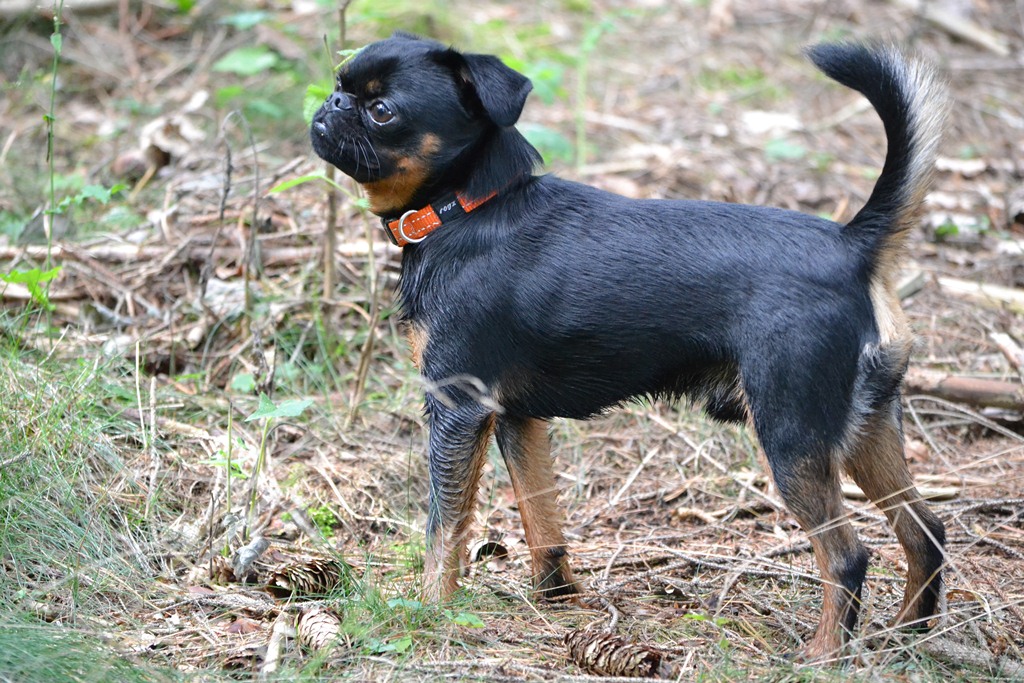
(529, 297)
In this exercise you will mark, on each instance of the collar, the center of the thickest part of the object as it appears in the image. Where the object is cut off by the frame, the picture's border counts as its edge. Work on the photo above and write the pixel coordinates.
(413, 226)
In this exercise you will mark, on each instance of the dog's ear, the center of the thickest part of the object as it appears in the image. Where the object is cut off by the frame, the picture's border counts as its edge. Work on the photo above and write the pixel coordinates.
(502, 90)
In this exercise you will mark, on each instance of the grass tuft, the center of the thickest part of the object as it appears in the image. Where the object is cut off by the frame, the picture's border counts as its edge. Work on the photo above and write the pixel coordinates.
(72, 535)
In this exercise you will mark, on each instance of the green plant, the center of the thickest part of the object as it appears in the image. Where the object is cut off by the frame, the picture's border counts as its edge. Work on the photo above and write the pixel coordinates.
(591, 38)
(57, 41)
(268, 411)
(324, 519)
(31, 279)
(395, 625)
(71, 518)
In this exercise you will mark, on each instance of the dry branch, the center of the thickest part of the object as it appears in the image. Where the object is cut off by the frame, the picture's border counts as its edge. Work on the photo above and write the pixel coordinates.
(1009, 348)
(196, 251)
(989, 393)
(990, 296)
(16, 8)
(958, 26)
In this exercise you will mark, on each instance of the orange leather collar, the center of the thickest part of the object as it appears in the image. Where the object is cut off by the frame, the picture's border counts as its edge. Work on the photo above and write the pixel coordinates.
(413, 226)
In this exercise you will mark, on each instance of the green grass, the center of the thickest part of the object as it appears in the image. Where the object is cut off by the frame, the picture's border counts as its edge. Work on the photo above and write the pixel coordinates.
(32, 652)
(73, 536)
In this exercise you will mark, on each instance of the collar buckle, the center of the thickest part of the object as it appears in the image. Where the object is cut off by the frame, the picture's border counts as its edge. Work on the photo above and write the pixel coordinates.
(422, 222)
(401, 229)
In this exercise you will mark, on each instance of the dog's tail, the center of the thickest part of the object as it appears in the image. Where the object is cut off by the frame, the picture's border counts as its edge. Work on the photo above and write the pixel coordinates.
(912, 103)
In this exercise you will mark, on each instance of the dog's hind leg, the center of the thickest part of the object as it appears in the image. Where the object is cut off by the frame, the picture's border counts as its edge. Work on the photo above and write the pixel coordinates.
(799, 423)
(809, 484)
(526, 448)
(459, 437)
(876, 462)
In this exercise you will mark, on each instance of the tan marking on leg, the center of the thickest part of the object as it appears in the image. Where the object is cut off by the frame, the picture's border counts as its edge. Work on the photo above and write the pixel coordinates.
(527, 454)
(447, 556)
(832, 546)
(418, 337)
(889, 317)
(817, 504)
(878, 466)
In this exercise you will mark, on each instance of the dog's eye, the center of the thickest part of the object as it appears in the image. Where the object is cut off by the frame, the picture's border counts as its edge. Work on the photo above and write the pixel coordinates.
(381, 113)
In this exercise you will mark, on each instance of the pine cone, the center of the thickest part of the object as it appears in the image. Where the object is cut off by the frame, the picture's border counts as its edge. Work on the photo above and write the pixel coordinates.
(313, 576)
(604, 654)
(317, 628)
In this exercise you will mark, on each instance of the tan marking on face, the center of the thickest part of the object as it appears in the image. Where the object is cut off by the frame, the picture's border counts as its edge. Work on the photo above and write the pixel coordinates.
(429, 145)
(374, 88)
(394, 193)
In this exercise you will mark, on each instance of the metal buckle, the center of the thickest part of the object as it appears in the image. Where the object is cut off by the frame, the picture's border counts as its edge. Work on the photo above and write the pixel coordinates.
(401, 229)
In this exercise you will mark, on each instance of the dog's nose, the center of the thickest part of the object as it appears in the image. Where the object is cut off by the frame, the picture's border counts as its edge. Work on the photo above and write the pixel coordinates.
(341, 100)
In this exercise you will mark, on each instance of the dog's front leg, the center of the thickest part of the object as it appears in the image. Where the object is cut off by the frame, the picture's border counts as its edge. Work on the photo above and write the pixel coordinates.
(459, 436)
(526, 448)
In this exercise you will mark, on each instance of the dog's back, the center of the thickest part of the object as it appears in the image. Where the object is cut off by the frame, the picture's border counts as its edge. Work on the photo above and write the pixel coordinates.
(561, 300)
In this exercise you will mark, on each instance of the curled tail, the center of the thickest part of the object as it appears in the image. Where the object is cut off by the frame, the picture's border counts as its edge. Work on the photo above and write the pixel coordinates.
(912, 103)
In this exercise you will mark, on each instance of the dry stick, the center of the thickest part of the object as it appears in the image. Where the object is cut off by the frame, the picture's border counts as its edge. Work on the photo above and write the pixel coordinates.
(330, 234)
(189, 250)
(154, 455)
(996, 297)
(282, 628)
(632, 476)
(16, 459)
(250, 236)
(974, 391)
(957, 26)
(366, 352)
(1010, 349)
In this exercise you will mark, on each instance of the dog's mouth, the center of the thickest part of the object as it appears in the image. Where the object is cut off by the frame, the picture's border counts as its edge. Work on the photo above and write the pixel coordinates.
(352, 152)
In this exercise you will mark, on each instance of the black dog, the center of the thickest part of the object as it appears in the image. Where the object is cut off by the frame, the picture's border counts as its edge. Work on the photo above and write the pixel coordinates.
(529, 297)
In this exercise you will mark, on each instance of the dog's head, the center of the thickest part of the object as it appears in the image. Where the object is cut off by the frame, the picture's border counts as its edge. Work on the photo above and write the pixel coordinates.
(411, 118)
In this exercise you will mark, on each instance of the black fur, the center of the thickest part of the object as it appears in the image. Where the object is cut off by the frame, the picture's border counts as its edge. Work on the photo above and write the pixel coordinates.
(560, 300)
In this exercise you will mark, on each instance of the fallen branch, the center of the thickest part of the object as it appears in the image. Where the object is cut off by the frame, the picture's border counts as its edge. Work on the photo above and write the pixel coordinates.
(959, 654)
(989, 393)
(131, 253)
(958, 26)
(1010, 349)
(991, 296)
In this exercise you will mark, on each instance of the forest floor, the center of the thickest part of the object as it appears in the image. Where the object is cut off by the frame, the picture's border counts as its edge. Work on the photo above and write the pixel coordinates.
(137, 459)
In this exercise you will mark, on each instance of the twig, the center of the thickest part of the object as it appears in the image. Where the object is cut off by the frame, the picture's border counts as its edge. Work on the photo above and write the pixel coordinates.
(960, 654)
(633, 475)
(958, 26)
(282, 627)
(1010, 349)
(971, 390)
(13, 461)
(154, 455)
